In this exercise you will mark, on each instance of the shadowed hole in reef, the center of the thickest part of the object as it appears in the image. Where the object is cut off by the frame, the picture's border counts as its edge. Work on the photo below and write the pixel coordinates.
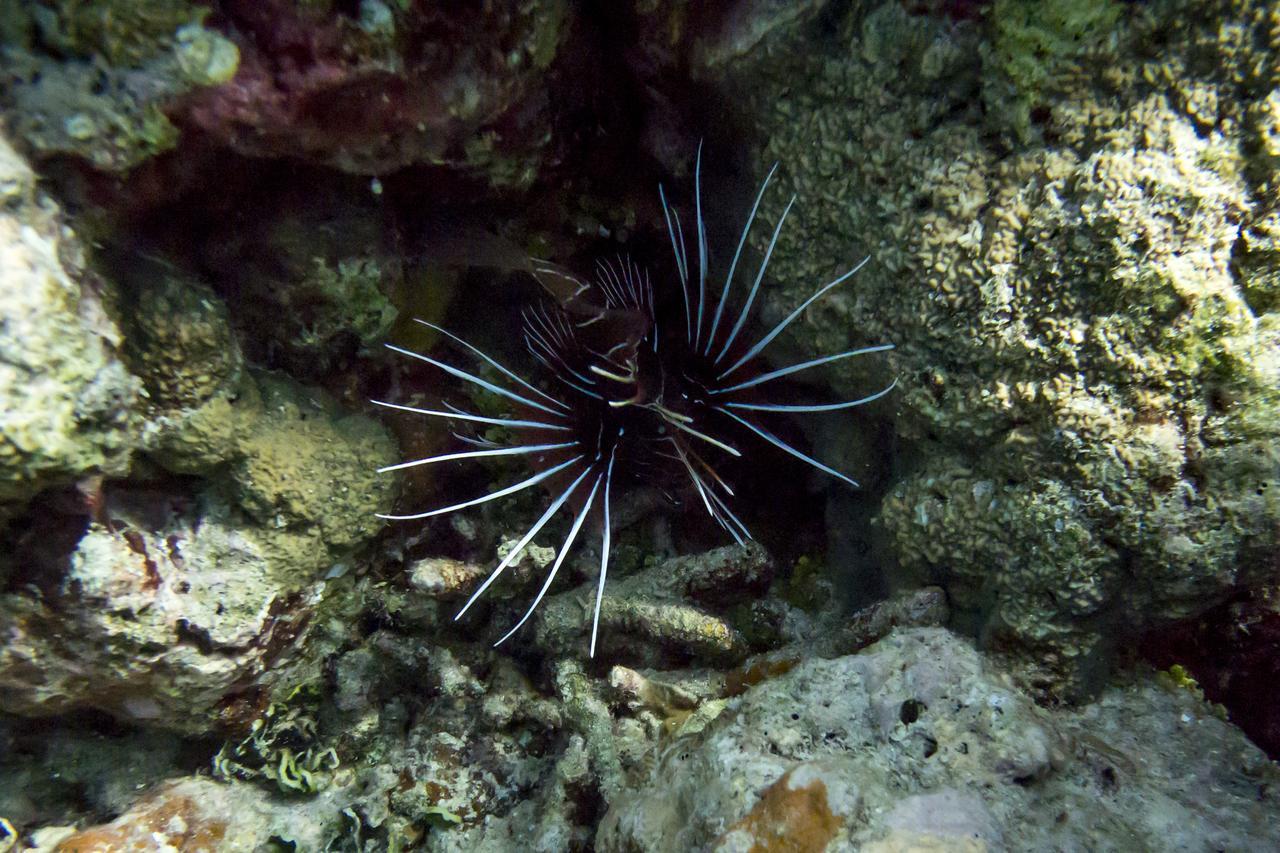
(910, 711)
(1229, 651)
(63, 757)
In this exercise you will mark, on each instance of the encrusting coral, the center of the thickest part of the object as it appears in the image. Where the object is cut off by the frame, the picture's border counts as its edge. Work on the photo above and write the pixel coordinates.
(1089, 371)
(69, 401)
(98, 80)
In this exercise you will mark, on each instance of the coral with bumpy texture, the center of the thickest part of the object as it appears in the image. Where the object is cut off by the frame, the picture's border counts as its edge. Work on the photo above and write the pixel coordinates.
(918, 743)
(102, 77)
(402, 84)
(183, 594)
(69, 402)
(1089, 362)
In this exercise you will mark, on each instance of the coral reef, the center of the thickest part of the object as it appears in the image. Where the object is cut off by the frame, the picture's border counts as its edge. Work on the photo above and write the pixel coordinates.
(69, 402)
(209, 640)
(401, 84)
(398, 84)
(97, 80)
(1089, 374)
(286, 455)
(1030, 43)
(916, 744)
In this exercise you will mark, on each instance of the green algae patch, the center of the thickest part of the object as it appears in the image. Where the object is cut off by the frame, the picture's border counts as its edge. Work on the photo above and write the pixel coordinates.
(1030, 43)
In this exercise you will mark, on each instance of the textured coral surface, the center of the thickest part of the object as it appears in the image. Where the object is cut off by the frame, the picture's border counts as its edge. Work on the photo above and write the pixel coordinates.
(213, 213)
(1087, 370)
(913, 744)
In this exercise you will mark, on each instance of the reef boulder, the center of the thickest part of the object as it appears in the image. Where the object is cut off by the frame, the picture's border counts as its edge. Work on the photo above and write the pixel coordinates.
(917, 743)
(167, 597)
(70, 403)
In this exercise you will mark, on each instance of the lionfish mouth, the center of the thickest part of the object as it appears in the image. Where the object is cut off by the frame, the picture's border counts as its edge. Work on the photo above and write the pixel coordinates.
(631, 392)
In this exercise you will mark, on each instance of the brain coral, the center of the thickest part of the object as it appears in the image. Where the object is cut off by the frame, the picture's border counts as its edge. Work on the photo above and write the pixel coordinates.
(1085, 321)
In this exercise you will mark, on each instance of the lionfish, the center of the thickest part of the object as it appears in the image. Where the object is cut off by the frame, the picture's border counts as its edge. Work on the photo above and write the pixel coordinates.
(628, 397)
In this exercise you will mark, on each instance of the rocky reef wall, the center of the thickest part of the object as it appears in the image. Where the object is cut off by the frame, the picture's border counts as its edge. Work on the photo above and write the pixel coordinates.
(1040, 623)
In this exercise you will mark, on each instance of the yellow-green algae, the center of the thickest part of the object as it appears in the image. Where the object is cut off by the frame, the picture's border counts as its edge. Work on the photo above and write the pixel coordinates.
(69, 402)
(1030, 42)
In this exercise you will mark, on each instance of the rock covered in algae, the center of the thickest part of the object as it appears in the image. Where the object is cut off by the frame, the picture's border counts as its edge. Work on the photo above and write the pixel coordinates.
(318, 265)
(69, 401)
(203, 816)
(158, 617)
(182, 593)
(397, 85)
(97, 80)
(1088, 351)
(916, 743)
(286, 454)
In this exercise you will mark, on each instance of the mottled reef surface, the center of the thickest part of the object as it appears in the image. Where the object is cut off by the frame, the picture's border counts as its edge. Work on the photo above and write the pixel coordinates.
(1049, 619)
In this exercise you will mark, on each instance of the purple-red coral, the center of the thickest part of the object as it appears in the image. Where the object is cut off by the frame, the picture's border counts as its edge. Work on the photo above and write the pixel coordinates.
(461, 84)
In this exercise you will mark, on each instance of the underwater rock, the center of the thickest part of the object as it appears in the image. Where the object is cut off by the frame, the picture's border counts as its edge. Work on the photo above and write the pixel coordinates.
(98, 80)
(189, 587)
(203, 816)
(1087, 375)
(160, 615)
(473, 750)
(916, 742)
(393, 86)
(70, 404)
